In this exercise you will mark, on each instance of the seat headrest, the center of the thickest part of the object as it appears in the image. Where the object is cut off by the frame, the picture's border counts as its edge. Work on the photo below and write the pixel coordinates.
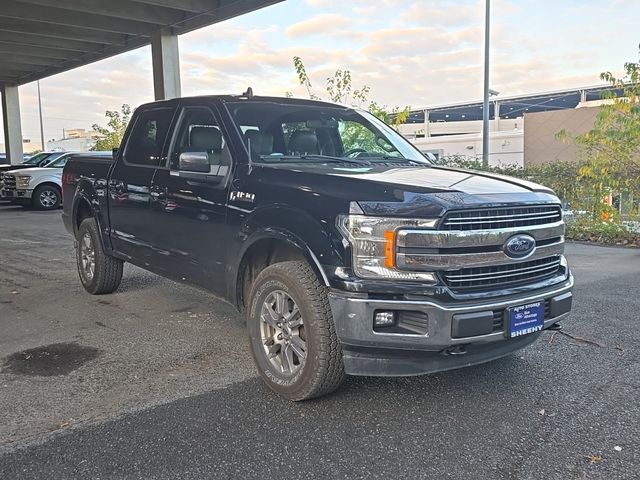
(261, 143)
(303, 142)
(205, 139)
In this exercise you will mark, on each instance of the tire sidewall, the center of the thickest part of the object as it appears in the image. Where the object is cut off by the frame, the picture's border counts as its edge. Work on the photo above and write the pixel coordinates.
(38, 191)
(264, 285)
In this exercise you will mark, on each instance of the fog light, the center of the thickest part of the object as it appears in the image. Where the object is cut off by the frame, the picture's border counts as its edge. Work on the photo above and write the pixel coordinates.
(384, 319)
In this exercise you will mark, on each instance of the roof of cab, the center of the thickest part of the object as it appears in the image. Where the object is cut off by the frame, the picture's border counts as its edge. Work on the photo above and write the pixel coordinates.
(242, 98)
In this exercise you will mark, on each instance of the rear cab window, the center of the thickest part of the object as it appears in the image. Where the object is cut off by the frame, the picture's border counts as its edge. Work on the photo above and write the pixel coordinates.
(147, 138)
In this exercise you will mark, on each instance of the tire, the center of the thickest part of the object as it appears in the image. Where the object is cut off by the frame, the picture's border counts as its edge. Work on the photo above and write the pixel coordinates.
(290, 370)
(106, 273)
(46, 197)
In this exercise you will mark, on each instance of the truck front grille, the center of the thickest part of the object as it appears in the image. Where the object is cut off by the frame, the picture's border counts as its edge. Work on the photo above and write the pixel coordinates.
(498, 276)
(9, 182)
(498, 218)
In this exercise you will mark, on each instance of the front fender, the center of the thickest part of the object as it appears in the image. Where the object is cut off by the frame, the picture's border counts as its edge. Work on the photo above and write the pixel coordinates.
(315, 238)
(36, 182)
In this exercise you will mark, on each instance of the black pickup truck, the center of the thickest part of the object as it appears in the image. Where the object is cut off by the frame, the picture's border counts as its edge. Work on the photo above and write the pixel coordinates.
(346, 249)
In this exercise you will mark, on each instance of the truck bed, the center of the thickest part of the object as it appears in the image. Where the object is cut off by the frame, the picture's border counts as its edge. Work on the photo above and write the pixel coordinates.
(93, 167)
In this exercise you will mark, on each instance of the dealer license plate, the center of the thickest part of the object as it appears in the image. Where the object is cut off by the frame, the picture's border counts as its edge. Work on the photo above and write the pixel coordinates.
(525, 319)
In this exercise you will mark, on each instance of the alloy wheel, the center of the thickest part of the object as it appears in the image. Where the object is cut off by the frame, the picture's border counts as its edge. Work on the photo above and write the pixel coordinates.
(48, 198)
(87, 256)
(282, 332)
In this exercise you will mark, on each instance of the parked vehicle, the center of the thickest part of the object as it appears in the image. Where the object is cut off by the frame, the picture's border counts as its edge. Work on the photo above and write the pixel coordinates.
(346, 249)
(37, 160)
(40, 187)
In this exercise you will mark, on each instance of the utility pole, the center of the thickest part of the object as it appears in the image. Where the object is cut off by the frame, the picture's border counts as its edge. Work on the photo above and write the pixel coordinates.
(485, 103)
(40, 112)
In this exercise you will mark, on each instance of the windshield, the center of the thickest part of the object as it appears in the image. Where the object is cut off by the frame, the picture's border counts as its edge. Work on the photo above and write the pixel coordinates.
(59, 163)
(36, 159)
(275, 132)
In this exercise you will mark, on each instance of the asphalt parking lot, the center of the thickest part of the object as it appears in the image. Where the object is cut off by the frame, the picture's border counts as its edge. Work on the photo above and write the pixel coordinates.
(156, 381)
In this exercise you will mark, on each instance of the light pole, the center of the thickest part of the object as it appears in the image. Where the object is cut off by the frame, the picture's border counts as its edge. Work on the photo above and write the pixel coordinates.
(40, 112)
(485, 102)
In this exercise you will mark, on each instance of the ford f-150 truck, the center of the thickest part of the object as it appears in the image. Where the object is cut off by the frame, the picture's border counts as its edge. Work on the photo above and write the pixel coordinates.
(40, 187)
(348, 252)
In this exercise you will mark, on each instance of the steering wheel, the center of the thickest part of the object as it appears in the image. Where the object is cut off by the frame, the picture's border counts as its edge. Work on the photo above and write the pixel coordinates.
(354, 151)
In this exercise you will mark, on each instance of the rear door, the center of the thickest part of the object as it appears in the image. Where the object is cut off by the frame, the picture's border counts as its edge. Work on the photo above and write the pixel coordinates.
(191, 206)
(130, 184)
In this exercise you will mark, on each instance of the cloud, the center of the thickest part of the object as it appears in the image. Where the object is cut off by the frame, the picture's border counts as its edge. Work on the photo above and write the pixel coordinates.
(410, 52)
(320, 24)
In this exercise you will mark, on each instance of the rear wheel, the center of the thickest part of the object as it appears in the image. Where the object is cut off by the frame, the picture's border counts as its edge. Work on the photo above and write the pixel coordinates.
(99, 273)
(292, 333)
(46, 197)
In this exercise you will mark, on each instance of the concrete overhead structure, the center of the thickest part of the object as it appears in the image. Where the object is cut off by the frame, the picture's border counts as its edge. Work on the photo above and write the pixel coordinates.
(39, 38)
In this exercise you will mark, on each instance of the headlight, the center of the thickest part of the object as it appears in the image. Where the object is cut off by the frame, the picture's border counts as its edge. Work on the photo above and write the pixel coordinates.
(23, 181)
(373, 242)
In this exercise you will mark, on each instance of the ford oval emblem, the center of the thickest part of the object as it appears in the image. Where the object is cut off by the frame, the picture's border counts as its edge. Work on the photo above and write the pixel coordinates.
(520, 246)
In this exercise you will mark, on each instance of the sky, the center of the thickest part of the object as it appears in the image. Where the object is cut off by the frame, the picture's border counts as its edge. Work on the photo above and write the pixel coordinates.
(409, 52)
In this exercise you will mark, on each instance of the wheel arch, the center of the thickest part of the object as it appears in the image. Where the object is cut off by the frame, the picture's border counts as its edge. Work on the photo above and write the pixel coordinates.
(264, 248)
(82, 208)
(48, 183)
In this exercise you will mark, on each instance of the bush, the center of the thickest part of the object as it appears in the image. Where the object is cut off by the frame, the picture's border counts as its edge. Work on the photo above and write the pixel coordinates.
(588, 230)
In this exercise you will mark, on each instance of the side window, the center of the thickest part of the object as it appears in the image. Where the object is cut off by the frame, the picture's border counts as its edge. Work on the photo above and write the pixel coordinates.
(147, 137)
(199, 132)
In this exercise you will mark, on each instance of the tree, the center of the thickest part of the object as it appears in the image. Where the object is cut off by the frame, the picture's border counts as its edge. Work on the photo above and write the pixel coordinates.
(610, 151)
(111, 135)
(340, 89)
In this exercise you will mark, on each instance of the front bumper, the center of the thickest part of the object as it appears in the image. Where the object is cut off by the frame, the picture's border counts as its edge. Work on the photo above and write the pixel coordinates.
(16, 194)
(443, 345)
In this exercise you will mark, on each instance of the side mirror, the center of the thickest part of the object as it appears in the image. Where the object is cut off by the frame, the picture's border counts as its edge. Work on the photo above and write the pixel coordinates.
(114, 152)
(194, 162)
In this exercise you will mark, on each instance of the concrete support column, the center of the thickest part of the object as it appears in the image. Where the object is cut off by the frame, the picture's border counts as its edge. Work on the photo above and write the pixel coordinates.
(496, 116)
(166, 65)
(11, 120)
(427, 129)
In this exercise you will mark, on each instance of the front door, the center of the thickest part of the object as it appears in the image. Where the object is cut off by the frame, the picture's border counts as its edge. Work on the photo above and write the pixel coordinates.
(191, 206)
(130, 186)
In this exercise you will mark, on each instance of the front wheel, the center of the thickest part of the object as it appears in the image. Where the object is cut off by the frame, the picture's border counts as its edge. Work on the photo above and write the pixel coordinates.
(292, 333)
(99, 273)
(46, 197)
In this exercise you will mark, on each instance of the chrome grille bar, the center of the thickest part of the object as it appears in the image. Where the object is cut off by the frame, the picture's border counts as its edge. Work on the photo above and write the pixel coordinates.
(435, 261)
(512, 273)
(496, 218)
(500, 275)
(9, 182)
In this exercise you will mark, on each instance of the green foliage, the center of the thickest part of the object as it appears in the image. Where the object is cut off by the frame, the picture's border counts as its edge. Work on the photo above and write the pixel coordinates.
(112, 134)
(303, 77)
(608, 232)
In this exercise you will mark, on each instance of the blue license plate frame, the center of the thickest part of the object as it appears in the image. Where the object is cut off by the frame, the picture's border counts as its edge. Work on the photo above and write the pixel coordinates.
(525, 319)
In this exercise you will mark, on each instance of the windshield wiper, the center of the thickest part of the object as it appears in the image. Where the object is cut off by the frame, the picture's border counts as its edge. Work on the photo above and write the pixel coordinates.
(387, 158)
(315, 157)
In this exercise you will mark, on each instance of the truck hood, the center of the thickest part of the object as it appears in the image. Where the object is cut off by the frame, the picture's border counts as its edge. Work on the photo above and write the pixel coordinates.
(37, 170)
(443, 179)
(404, 190)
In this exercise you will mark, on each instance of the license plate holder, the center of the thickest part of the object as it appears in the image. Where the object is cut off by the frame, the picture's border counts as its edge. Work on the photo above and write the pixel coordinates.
(525, 319)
